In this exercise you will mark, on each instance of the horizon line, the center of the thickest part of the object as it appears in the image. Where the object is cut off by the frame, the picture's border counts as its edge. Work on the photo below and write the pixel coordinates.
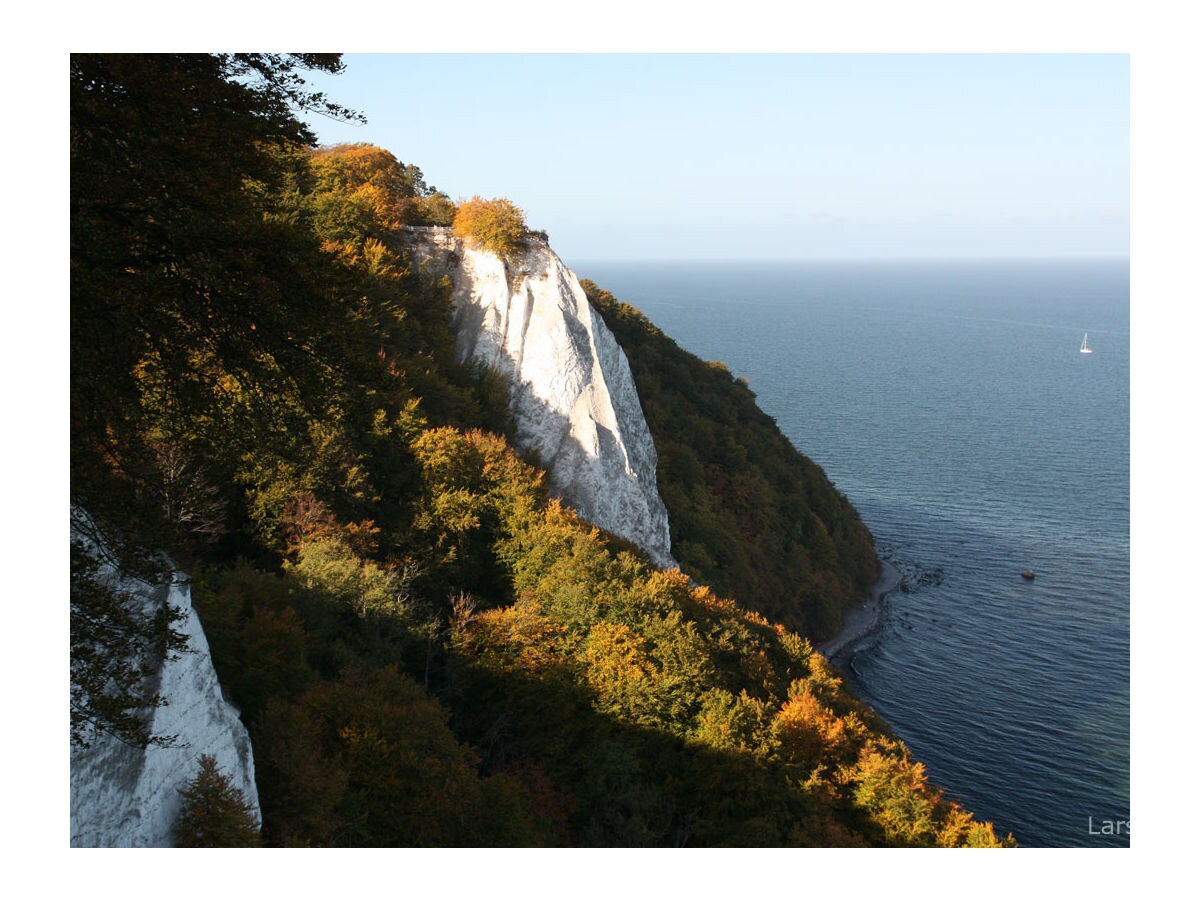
(1080, 257)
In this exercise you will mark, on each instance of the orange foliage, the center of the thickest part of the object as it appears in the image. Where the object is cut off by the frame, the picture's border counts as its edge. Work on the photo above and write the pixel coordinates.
(616, 659)
(496, 225)
(808, 733)
(305, 519)
(351, 167)
(528, 639)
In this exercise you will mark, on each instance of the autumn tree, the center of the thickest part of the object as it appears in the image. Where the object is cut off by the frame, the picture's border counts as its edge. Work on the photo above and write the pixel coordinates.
(808, 733)
(892, 789)
(178, 267)
(383, 189)
(496, 225)
(436, 209)
(214, 813)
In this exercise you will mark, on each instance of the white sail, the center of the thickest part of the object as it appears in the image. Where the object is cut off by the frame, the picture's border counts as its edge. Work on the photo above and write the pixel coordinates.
(1084, 348)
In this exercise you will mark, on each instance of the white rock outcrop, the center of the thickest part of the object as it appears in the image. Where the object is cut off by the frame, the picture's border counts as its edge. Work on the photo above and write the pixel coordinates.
(122, 796)
(571, 392)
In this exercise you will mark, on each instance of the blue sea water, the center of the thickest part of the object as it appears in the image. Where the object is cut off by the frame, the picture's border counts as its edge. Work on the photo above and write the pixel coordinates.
(949, 401)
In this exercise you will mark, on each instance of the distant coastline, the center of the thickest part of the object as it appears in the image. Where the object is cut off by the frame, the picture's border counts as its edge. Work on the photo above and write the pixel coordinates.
(864, 618)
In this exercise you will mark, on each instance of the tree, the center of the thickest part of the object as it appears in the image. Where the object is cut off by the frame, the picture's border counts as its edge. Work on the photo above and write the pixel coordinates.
(197, 315)
(893, 791)
(809, 734)
(214, 812)
(172, 156)
(496, 225)
(193, 298)
(436, 208)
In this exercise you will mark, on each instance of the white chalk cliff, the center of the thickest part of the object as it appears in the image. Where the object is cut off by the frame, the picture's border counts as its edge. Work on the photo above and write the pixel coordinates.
(122, 796)
(571, 392)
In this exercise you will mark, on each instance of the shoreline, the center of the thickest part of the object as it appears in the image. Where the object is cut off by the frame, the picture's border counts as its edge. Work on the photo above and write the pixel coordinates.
(864, 618)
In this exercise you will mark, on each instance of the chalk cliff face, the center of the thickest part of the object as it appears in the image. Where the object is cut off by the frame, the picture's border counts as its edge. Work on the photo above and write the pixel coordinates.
(572, 395)
(122, 796)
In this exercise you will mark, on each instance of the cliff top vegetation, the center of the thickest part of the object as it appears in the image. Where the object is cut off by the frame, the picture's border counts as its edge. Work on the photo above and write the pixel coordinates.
(496, 225)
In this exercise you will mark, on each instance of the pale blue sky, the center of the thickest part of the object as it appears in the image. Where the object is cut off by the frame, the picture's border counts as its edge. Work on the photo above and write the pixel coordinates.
(768, 156)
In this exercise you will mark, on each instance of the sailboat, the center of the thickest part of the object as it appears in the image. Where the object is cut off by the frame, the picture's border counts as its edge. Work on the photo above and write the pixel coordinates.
(1084, 348)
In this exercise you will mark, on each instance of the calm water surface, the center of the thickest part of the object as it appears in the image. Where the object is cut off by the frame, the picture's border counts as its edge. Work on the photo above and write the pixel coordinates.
(951, 404)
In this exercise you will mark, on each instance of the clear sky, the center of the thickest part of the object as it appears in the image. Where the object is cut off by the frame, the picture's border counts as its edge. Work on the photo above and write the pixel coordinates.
(768, 156)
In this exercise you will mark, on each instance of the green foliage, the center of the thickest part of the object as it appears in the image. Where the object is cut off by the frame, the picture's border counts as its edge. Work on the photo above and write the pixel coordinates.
(621, 672)
(361, 190)
(436, 209)
(180, 272)
(214, 813)
(893, 791)
(496, 225)
(650, 710)
(732, 724)
(332, 568)
(750, 516)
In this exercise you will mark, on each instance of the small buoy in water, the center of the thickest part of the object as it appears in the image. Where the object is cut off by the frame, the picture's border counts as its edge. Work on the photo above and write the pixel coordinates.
(1027, 574)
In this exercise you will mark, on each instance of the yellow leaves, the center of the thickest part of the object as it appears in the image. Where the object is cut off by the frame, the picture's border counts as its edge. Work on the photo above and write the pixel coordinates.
(616, 658)
(354, 167)
(705, 602)
(362, 194)
(330, 567)
(704, 597)
(755, 618)
(379, 204)
(447, 457)
(669, 580)
(380, 424)
(496, 225)
(822, 679)
(345, 253)
(893, 791)
(758, 670)
(371, 256)
(798, 649)
(455, 511)
(667, 590)
(809, 734)
(734, 723)
(959, 829)
(379, 261)
(524, 636)
(466, 472)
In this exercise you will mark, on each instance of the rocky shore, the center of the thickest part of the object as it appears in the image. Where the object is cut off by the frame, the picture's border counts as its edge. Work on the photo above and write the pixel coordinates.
(864, 618)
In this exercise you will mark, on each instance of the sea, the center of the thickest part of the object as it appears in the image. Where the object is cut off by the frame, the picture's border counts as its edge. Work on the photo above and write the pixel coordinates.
(950, 402)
